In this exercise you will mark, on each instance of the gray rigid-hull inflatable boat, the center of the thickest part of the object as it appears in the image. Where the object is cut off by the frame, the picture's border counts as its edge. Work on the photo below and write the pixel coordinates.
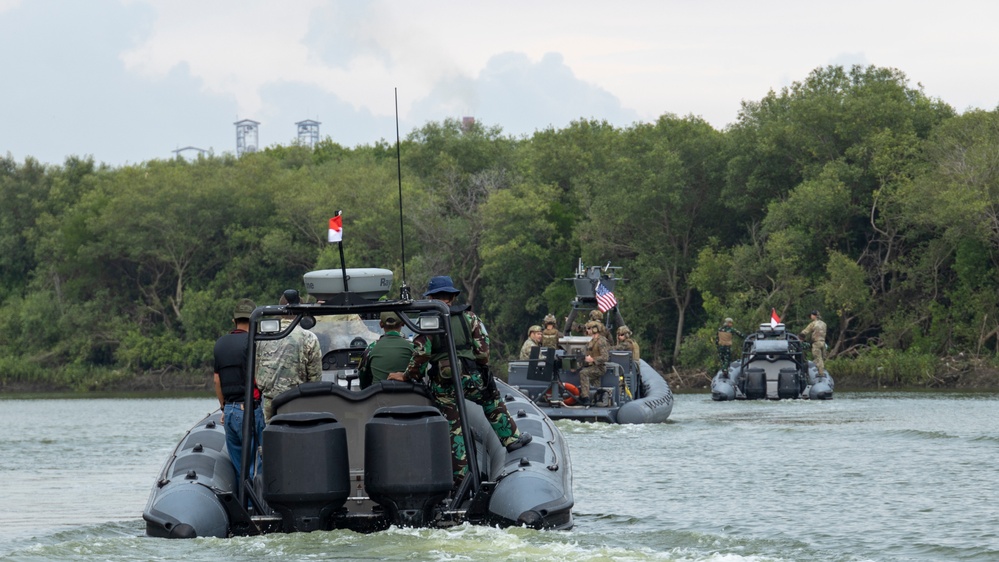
(630, 390)
(773, 367)
(337, 457)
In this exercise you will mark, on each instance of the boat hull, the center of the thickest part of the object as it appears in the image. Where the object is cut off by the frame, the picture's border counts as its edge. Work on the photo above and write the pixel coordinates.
(771, 381)
(646, 398)
(196, 492)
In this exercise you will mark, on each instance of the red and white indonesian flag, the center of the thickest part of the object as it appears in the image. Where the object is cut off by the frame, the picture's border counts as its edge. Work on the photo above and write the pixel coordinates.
(774, 319)
(336, 229)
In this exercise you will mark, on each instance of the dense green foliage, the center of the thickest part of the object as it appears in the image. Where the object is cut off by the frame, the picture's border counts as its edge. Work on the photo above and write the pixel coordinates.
(851, 192)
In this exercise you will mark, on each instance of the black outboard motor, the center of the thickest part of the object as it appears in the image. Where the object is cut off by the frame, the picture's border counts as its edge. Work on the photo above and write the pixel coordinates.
(305, 469)
(756, 383)
(407, 462)
(787, 383)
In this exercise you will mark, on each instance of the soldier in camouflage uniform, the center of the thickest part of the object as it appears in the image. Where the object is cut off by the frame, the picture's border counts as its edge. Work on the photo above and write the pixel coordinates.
(533, 340)
(288, 362)
(625, 343)
(550, 335)
(723, 339)
(598, 317)
(597, 354)
(817, 330)
(471, 342)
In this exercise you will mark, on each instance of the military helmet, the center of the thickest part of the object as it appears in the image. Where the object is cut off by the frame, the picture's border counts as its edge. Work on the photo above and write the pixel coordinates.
(624, 331)
(815, 313)
(596, 315)
(729, 320)
(532, 329)
(550, 319)
(593, 324)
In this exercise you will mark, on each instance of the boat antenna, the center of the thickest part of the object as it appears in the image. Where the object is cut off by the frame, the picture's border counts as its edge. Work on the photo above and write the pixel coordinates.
(404, 289)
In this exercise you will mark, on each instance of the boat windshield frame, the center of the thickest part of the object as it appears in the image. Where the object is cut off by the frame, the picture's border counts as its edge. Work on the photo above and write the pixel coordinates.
(297, 313)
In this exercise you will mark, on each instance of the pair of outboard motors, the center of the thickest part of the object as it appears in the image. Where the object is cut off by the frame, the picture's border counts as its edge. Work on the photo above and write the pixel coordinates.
(306, 468)
(789, 383)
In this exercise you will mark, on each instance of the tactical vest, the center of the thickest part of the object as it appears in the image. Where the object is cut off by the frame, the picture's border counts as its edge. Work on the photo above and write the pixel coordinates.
(724, 338)
(549, 338)
(462, 334)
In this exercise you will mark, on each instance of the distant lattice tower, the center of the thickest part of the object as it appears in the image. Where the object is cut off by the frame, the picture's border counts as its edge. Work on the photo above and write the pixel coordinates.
(246, 136)
(308, 132)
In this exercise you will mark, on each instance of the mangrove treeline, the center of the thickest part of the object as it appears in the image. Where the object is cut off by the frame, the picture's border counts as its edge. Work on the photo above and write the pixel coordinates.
(851, 192)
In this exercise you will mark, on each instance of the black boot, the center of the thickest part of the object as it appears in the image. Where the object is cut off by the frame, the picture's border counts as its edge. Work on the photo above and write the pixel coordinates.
(525, 438)
(583, 401)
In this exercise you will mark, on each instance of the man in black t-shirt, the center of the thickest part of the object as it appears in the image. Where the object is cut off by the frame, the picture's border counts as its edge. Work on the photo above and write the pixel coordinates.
(230, 387)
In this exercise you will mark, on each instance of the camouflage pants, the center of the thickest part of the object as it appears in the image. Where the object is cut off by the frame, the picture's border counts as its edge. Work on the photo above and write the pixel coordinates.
(589, 376)
(818, 356)
(724, 356)
(486, 396)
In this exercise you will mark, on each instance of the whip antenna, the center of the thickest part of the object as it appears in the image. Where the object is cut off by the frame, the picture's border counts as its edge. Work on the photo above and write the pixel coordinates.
(404, 290)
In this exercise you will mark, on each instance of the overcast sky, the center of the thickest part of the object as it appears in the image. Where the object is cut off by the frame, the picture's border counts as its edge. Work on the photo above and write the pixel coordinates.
(126, 81)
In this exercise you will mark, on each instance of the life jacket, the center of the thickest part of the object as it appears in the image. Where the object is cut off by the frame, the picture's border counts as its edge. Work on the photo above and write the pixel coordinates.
(230, 360)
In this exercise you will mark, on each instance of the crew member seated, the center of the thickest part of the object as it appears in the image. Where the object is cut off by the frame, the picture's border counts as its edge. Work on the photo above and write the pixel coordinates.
(391, 353)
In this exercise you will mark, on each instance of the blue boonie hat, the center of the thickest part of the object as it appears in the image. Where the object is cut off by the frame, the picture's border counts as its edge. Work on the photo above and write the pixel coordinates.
(440, 284)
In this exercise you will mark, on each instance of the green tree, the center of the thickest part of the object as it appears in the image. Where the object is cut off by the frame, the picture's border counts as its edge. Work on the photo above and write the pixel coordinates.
(655, 208)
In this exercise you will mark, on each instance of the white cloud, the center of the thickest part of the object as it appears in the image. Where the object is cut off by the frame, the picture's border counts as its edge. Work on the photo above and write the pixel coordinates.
(189, 68)
(234, 47)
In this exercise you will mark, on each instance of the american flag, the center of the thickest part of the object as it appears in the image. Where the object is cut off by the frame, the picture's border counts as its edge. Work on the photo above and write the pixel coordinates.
(605, 298)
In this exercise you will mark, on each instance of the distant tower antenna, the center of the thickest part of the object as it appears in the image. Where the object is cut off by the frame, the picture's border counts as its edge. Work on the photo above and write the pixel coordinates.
(246, 136)
(308, 132)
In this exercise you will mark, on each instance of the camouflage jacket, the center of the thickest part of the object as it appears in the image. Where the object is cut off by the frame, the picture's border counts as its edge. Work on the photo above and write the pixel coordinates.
(286, 363)
(599, 349)
(816, 329)
(430, 349)
(525, 350)
(628, 345)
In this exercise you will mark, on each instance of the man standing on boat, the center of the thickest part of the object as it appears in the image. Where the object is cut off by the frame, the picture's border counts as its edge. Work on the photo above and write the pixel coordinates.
(471, 342)
(597, 355)
(288, 362)
(723, 339)
(230, 386)
(597, 316)
(391, 353)
(533, 340)
(817, 330)
(550, 335)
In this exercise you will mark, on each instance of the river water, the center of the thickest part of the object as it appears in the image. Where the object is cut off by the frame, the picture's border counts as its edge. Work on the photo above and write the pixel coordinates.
(878, 477)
